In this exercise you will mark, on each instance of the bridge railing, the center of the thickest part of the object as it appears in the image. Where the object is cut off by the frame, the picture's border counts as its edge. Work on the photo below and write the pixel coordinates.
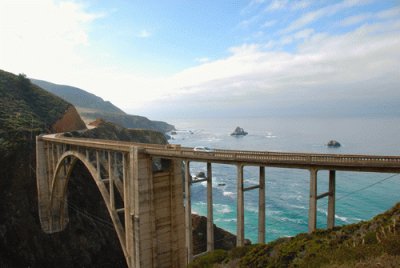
(280, 157)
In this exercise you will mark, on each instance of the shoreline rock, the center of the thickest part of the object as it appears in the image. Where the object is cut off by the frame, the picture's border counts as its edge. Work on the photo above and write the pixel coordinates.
(222, 238)
(239, 132)
(333, 144)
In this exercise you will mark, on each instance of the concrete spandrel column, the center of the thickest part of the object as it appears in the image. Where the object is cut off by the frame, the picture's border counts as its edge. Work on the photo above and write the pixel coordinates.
(188, 213)
(240, 208)
(331, 199)
(210, 220)
(312, 212)
(261, 207)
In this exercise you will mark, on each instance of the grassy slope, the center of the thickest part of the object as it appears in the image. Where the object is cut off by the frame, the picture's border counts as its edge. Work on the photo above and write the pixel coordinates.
(79, 97)
(365, 244)
(26, 109)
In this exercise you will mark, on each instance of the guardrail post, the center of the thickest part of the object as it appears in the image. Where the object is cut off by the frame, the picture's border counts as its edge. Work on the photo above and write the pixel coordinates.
(210, 221)
(312, 212)
(261, 207)
(240, 208)
(331, 199)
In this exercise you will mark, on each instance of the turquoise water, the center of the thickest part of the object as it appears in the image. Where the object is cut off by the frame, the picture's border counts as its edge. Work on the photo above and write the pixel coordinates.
(288, 189)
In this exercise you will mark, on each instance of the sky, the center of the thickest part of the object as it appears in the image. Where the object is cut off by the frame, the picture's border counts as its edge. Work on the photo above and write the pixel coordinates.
(197, 58)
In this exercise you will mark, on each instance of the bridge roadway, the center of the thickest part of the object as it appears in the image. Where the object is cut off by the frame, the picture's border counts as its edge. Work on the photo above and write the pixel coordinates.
(153, 202)
(343, 162)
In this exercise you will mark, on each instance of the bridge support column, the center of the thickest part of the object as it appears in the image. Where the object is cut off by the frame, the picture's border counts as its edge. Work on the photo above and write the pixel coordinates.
(240, 208)
(130, 175)
(312, 211)
(43, 185)
(210, 220)
(331, 199)
(261, 207)
(188, 212)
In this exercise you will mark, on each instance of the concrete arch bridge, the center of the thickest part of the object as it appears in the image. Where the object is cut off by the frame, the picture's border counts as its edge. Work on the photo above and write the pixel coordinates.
(142, 187)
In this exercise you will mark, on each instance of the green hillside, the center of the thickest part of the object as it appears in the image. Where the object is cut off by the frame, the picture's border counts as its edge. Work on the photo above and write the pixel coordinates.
(92, 107)
(374, 243)
(78, 97)
(26, 109)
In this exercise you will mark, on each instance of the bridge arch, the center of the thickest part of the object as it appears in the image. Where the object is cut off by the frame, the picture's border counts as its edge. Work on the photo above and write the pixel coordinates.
(58, 205)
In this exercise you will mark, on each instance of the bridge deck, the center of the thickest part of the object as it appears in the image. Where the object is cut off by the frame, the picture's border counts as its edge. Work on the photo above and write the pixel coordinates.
(368, 163)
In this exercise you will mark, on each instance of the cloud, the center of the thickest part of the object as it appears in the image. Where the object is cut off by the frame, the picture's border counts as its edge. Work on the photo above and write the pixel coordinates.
(326, 11)
(349, 21)
(285, 4)
(277, 4)
(356, 68)
(269, 23)
(248, 22)
(202, 60)
(360, 18)
(144, 34)
(301, 4)
(43, 36)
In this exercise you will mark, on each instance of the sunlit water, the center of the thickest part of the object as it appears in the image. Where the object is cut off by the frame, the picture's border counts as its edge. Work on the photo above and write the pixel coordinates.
(287, 190)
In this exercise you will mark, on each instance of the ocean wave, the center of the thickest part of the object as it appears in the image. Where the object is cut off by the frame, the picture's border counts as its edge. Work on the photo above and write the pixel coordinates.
(269, 134)
(298, 206)
(251, 209)
(222, 208)
(229, 194)
(273, 212)
(225, 220)
(343, 219)
(297, 221)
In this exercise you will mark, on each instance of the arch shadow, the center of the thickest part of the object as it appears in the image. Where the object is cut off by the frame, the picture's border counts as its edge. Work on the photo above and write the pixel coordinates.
(58, 205)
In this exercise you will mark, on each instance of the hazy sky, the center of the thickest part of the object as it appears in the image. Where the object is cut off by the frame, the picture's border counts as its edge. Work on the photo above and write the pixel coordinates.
(173, 58)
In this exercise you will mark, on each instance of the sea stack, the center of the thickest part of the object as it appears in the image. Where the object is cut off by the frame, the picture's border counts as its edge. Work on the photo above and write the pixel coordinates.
(239, 132)
(333, 144)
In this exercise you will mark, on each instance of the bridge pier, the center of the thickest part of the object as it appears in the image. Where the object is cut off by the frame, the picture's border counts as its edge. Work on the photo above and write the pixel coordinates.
(240, 207)
(261, 207)
(312, 213)
(188, 212)
(210, 217)
(240, 237)
(331, 199)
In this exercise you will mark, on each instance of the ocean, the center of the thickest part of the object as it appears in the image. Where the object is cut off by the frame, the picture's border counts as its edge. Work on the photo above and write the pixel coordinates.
(360, 196)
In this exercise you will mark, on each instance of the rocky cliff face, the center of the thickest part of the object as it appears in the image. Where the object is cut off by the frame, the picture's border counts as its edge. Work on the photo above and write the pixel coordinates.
(222, 239)
(69, 121)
